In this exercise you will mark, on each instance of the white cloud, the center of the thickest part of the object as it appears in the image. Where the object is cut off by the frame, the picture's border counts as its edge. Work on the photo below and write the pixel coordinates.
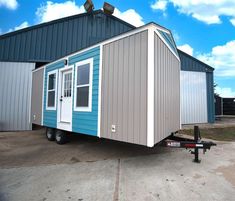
(186, 48)
(10, 4)
(159, 5)
(208, 11)
(225, 92)
(51, 11)
(222, 58)
(233, 21)
(130, 16)
(176, 36)
(21, 26)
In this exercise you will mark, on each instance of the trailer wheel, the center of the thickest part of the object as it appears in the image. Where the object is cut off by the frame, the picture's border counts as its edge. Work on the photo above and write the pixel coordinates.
(60, 137)
(50, 134)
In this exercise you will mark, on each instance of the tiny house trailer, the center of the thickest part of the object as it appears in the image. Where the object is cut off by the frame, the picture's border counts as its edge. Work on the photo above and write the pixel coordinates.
(126, 88)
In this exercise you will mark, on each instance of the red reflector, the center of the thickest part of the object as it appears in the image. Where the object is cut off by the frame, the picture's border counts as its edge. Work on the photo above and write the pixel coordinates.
(190, 145)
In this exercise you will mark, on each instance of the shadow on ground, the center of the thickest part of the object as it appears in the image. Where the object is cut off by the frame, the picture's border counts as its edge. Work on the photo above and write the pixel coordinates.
(31, 148)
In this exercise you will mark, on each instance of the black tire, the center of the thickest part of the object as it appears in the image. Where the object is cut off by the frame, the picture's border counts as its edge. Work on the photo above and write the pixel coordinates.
(61, 137)
(50, 134)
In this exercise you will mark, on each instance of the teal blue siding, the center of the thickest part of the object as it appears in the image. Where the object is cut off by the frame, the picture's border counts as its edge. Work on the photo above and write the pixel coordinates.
(86, 122)
(210, 97)
(50, 116)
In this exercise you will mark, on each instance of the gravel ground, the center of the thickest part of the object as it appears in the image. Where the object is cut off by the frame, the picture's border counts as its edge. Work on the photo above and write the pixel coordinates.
(221, 122)
(33, 168)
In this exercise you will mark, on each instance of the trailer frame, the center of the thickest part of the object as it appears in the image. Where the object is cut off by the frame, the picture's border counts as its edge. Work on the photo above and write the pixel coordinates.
(174, 141)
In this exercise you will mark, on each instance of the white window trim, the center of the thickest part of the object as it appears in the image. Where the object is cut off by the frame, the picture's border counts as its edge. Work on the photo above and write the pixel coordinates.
(89, 108)
(56, 78)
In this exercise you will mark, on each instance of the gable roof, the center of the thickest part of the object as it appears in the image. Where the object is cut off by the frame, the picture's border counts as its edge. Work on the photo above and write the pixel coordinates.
(52, 40)
(63, 20)
(190, 63)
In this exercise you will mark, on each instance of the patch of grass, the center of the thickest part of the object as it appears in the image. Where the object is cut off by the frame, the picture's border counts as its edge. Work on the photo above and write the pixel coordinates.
(220, 134)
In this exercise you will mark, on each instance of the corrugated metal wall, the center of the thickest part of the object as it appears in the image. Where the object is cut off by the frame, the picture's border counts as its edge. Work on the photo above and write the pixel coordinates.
(167, 91)
(193, 97)
(15, 98)
(50, 41)
(37, 93)
(210, 97)
(124, 89)
(189, 63)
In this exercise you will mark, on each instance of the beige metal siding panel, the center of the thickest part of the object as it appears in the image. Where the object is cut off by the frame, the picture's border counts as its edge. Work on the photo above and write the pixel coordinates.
(143, 90)
(124, 89)
(15, 90)
(167, 91)
(37, 92)
(130, 113)
(125, 98)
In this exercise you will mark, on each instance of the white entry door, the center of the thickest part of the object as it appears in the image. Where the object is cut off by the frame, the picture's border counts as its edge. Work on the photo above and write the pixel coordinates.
(66, 97)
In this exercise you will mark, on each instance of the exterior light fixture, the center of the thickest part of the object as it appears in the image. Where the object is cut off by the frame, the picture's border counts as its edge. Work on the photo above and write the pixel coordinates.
(108, 8)
(89, 6)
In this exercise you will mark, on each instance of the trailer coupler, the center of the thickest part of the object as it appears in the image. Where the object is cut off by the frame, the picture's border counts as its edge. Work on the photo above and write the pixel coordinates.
(196, 143)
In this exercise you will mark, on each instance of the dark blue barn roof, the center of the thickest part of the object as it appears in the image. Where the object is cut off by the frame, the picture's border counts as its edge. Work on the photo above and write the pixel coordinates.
(52, 40)
(189, 63)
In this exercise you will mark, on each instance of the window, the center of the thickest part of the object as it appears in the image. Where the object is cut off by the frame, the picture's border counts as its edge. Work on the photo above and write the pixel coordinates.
(67, 84)
(83, 87)
(51, 90)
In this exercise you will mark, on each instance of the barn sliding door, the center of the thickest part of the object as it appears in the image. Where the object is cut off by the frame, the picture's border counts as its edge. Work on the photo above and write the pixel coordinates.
(193, 97)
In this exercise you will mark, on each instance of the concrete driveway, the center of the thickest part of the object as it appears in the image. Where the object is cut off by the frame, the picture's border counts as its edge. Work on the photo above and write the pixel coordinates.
(33, 168)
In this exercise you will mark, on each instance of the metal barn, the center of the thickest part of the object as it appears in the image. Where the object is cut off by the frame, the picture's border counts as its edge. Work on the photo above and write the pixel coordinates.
(41, 44)
(15, 98)
(197, 91)
(26, 49)
(126, 88)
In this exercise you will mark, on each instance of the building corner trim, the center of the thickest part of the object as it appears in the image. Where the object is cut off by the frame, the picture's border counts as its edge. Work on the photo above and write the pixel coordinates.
(150, 88)
(99, 96)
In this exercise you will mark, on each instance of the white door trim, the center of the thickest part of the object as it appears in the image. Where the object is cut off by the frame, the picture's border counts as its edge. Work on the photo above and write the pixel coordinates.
(63, 125)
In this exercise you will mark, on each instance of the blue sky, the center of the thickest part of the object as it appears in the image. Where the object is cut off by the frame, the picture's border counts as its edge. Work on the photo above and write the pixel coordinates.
(202, 28)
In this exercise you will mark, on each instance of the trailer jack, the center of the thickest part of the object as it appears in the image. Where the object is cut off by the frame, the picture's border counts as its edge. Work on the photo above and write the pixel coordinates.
(196, 143)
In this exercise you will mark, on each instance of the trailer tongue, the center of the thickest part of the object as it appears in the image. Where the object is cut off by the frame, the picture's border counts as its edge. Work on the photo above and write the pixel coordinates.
(196, 143)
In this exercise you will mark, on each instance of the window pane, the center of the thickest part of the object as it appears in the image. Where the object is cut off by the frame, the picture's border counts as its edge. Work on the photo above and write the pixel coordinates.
(51, 99)
(82, 96)
(51, 84)
(67, 84)
(69, 93)
(83, 74)
(65, 93)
